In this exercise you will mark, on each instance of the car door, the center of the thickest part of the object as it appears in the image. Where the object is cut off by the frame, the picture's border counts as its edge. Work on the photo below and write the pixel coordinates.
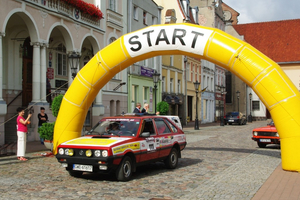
(165, 136)
(149, 145)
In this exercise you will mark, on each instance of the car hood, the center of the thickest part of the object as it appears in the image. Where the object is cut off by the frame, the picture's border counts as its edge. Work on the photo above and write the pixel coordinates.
(266, 129)
(96, 141)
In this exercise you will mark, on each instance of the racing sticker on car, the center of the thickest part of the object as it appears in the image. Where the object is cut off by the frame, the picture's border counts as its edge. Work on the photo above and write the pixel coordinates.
(93, 141)
(132, 146)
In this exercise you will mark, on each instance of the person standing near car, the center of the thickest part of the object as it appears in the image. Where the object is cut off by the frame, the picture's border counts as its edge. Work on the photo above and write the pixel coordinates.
(21, 132)
(43, 118)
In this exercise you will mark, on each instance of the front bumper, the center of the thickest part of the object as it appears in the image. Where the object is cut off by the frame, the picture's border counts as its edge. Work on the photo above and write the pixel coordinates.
(107, 163)
(267, 140)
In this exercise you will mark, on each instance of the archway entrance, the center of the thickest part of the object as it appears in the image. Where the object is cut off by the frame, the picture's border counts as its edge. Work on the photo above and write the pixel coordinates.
(263, 75)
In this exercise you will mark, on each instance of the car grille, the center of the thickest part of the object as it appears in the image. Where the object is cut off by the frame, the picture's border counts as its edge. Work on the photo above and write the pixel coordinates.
(266, 134)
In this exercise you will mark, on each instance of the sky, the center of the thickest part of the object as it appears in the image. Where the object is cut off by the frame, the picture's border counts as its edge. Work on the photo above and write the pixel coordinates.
(265, 10)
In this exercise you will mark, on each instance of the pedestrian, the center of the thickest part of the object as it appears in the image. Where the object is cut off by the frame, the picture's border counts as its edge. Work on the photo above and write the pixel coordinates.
(43, 118)
(146, 108)
(137, 108)
(22, 133)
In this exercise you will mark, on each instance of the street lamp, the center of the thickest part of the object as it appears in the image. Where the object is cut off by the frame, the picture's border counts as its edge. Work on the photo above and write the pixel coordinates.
(222, 88)
(73, 62)
(196, 84)
(155, 80)
(238, 98)
(250, 116)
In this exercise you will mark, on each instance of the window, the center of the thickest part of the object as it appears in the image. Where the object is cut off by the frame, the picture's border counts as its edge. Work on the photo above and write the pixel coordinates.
(61, 60)
(112, 5)
(112, 108)
(255, 105)
(148, 127)
(171, 85)
(174, 129)
(161, 126)
(179, 88)
(171, 60)
(163, 84)
(146, 92)
(135, 13)
(145, 17)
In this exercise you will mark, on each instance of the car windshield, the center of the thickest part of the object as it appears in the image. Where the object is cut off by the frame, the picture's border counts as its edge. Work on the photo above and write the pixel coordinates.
(119, 127)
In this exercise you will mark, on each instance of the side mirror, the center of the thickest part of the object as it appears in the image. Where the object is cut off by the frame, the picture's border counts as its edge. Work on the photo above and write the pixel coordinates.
(145, 134)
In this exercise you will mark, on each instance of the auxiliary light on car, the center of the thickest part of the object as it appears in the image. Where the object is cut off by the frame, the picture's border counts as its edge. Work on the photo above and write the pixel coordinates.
(97, 153)
(88, 153)
(255, 133)
(71, 152)
(277, 135)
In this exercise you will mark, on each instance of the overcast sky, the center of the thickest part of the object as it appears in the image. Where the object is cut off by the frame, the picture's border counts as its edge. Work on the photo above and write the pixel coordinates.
(265, 10)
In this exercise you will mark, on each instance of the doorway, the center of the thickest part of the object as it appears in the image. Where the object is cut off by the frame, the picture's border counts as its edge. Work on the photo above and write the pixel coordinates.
(27, 73)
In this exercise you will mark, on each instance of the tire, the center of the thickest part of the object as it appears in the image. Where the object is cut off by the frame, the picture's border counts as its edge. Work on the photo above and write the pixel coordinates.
(261, 145)
(230, 123)
(124, 171)
(76, 174)
(172, 160)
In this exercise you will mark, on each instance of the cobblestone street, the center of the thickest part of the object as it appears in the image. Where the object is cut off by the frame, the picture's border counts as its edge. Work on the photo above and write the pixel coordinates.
(218, 163)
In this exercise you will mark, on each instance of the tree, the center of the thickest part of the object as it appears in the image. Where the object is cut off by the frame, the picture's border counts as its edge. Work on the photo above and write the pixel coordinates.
(163, 108)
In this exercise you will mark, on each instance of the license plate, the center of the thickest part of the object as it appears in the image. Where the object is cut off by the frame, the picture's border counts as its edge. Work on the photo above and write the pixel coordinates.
(85, 168)
(231, 120)
(265, 140)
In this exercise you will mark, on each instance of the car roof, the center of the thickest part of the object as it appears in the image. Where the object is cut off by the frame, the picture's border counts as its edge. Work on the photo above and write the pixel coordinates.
(137, 115)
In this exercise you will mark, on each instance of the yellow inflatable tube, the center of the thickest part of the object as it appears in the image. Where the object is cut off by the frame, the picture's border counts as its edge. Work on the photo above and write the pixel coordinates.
(259, 72)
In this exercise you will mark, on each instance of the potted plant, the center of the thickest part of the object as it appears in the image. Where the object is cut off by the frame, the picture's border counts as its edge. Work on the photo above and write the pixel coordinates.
(47, 129)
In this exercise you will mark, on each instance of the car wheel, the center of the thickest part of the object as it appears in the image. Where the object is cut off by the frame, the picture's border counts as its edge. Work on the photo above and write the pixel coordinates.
(172, 160)
(124, 171)
(230, 123)
(261, 145)
(75, 173)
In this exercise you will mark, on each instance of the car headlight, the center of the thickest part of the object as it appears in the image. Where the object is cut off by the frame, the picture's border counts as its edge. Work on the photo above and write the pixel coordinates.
(61, 151)
(88, 153)
(66, 152)
(104, 153)
(97, 153)
(255, 133)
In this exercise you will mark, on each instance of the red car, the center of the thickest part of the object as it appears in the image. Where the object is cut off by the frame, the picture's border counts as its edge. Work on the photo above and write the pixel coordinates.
(120, 144)
(266, 135)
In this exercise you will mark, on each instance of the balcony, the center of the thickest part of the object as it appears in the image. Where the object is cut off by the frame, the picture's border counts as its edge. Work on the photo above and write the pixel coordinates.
(65, 9)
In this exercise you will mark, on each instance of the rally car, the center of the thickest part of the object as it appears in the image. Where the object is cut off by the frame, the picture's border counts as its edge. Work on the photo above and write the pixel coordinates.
(266, 135)
(120, 144)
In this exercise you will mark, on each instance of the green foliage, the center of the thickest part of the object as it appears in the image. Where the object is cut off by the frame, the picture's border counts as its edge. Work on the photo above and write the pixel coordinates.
(163, 108)
(46, 131)
(56, 104)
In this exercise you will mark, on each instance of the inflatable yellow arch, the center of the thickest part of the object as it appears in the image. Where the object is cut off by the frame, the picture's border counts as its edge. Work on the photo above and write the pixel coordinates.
(259, 72)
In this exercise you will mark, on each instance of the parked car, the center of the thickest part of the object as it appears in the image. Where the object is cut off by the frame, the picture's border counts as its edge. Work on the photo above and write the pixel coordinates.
(120, 144)
(266, 135)
(235, 118)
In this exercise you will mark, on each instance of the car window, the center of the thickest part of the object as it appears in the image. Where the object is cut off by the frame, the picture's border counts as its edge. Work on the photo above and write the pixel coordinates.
(174, 129)
(161, 126)
(120, 127)
(148, 127)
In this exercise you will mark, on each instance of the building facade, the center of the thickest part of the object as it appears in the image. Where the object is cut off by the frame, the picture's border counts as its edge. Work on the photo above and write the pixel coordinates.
(141, 88)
